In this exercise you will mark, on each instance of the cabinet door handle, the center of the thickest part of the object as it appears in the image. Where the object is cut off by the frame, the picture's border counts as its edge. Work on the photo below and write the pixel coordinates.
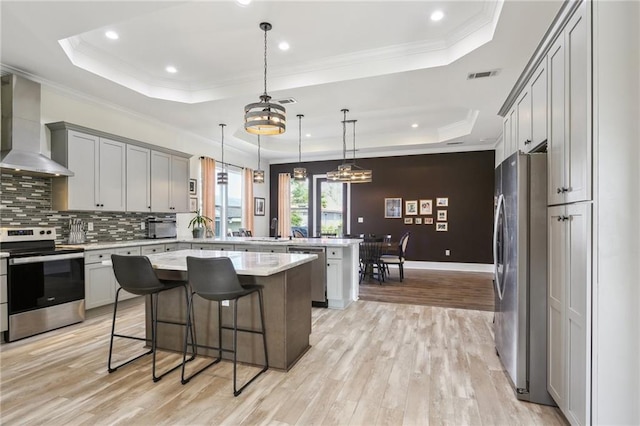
(562, 190)
(563, 218)
(527, 142)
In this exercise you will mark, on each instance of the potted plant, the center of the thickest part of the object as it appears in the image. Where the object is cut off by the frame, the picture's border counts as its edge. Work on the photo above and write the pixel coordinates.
(199, 223)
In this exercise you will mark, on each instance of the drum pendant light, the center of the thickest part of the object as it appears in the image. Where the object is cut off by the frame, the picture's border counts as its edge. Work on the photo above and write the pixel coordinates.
(343, 173)
(299, 173)
(223, 176)
(258, 175)
(264, 117)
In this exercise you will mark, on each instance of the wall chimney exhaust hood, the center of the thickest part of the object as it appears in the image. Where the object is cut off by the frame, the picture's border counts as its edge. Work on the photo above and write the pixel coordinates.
(21, 130)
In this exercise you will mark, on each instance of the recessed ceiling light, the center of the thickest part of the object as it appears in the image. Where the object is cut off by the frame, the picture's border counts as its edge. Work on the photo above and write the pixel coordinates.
(414, 125)
(308, 135)
(283, 45)
(437, 15)
(171, 69)
(243, 2)
(112, 35)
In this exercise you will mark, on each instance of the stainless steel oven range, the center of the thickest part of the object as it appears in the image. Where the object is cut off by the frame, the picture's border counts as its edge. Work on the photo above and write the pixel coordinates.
(45, 283)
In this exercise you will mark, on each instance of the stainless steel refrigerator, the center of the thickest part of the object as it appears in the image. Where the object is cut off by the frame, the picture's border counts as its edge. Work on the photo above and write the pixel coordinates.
(520, 263)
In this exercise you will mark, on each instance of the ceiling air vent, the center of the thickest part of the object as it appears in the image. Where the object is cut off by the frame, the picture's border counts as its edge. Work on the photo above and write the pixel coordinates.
(482, 74)
(286, 101)
(455, 143)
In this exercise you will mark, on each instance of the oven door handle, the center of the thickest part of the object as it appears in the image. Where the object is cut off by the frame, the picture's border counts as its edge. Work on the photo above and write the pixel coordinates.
(47, 258)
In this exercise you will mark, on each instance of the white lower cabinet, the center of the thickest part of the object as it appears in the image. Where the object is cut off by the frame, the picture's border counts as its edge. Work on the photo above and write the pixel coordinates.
(212, 246)
(4, 313)
(99, 280)
(569, 302)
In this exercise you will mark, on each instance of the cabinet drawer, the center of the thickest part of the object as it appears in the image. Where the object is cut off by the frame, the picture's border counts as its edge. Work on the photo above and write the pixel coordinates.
(97, 256)
(334, 253)
(128, 251)
(221, 247)
(177, 246)
(4, 317)
(156, 248)
(3, 267)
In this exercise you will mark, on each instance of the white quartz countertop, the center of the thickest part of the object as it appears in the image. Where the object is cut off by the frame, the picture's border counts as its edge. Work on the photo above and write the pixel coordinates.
(245, 263)
(3, 255)
(307, 242)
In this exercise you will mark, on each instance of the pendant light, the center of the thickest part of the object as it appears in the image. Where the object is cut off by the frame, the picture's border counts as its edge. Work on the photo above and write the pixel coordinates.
(299, 173)
(258, 175)
(343, 173)
(358, 174)
(264, 117)
(223, 176)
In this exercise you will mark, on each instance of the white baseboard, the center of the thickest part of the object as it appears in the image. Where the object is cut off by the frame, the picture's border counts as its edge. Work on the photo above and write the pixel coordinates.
(449, 266)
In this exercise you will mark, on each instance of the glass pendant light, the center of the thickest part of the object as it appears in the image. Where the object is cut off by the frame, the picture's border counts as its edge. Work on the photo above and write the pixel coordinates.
(264, 117)
(258, 175)
(299, 173)
(223, 176)
(343, 173)
(358, 174)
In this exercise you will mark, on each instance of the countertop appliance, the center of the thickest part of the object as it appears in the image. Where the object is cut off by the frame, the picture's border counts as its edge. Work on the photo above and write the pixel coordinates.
(161, 227)
(45, 283)
(318, 274)
(520, 263)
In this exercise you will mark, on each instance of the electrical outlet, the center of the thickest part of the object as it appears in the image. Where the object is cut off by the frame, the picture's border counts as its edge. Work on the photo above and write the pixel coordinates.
(447, 252)
(361, 220)
(142, 225)
(90, 226)
(225, 303)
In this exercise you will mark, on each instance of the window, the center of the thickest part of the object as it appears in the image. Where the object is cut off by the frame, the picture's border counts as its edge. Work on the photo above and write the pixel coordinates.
(229, 202)
(300, 207)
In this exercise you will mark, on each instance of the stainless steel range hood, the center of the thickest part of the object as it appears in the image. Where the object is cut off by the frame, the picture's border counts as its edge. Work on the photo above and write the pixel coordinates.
(21, 130)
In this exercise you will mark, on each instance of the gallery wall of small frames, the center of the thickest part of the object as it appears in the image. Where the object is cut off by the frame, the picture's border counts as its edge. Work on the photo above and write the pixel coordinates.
(419, 212)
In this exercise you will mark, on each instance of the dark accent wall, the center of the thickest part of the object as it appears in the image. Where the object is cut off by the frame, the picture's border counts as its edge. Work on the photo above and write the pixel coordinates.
(26, 201)
(466, 179)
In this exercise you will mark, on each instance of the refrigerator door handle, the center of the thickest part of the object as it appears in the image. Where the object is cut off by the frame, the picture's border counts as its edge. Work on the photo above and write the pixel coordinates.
(499, 213)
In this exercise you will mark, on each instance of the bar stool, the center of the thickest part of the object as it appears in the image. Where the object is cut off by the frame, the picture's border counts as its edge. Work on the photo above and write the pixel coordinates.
(136, 275)
(215, 279)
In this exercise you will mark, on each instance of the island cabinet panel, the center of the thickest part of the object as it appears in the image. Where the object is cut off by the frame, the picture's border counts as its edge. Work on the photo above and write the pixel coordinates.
(138, 179)
(287, 302)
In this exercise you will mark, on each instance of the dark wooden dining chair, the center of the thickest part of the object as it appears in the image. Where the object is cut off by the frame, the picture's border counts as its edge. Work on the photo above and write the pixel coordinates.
(397, 258)
(370, 260)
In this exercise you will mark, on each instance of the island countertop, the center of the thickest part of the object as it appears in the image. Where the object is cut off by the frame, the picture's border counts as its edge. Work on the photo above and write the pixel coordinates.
(245, 263)
(261, 241)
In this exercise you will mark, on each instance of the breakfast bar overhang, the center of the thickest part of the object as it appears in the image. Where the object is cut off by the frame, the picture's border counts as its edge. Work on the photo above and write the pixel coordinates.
(287, 302)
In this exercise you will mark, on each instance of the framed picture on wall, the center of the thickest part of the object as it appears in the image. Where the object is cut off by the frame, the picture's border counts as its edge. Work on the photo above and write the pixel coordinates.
(428, 221)
(408, 221)
(393, 208)
(193, 204)
(418, 221)
(442, 226)
(193, 187)
(442, 215)
(426, 207)
(411, 208)
(258, 206)
(442, 202)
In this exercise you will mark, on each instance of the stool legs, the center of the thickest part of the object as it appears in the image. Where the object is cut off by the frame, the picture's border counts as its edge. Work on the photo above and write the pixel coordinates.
(111, 369)
(183, 379)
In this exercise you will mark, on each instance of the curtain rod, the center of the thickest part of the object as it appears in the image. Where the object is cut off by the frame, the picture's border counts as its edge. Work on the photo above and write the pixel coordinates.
(226, 164)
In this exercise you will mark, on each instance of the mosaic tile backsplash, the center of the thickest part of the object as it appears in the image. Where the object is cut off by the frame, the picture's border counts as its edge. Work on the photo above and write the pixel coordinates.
(26, 201)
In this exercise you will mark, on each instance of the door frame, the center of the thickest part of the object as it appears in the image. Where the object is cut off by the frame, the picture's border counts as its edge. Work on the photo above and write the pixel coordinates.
(314, 209)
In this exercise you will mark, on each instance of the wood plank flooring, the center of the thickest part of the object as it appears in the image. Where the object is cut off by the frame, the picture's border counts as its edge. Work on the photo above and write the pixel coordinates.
(448, 289)
(373, 363)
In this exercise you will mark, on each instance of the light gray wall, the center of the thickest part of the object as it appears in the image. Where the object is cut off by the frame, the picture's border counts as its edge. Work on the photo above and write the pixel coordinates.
(616, 330)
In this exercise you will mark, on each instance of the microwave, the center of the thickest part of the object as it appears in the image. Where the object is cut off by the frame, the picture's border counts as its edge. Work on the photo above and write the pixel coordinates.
(161, 227)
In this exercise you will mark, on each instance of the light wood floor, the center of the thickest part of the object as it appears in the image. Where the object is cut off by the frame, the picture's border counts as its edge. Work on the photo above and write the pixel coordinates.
(373, 363)
(447, 289)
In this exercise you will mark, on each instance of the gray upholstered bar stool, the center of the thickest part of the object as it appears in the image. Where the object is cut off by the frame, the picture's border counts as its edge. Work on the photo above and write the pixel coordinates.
(136, 275)
(215, 279)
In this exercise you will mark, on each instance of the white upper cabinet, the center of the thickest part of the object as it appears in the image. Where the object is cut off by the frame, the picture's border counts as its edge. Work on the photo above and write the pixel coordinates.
(116, 174)
(523, 109)
(99, 173)
(538, 92)
(570, 152)
(169, 183)
(138, 179)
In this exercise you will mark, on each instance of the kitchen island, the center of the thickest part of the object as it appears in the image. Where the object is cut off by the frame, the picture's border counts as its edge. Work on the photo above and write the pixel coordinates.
(287, 304)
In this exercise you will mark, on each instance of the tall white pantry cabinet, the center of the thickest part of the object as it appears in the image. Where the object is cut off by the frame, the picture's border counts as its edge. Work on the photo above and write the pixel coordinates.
(551, 103)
